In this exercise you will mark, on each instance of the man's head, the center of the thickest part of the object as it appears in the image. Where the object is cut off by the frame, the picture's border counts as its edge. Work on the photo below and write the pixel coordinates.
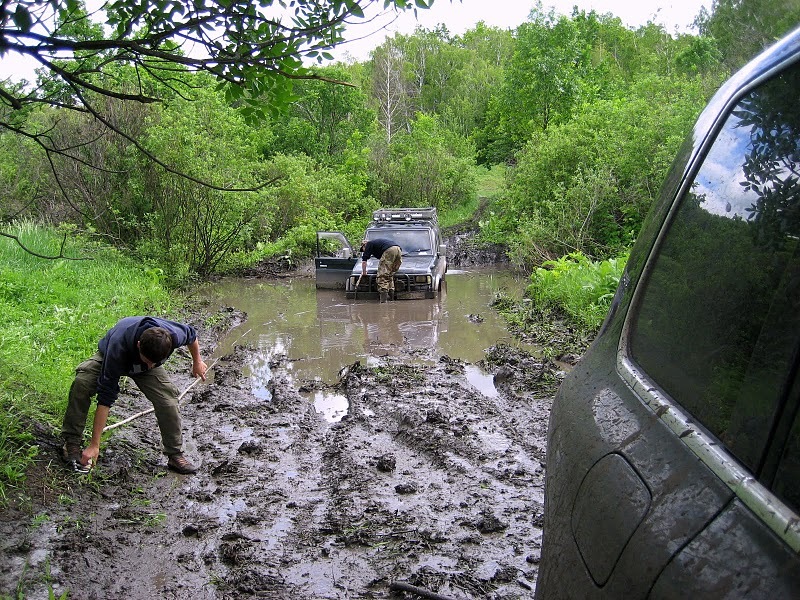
(155, 344)
(363, 244)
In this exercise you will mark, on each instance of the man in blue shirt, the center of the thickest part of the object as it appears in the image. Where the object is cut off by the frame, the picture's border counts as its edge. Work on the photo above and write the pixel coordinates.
(135, 347)
(389, 257)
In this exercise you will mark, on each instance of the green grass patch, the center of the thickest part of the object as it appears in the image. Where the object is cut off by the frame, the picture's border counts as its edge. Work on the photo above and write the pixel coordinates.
(52, 314)
(490, 183)
(577, 287)
(455, 215)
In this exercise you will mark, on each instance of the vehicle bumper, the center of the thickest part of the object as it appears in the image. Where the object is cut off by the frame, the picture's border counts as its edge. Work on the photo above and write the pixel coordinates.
(407, 286)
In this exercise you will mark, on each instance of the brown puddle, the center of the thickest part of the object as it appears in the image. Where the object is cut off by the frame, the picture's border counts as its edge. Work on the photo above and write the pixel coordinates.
(319, 332)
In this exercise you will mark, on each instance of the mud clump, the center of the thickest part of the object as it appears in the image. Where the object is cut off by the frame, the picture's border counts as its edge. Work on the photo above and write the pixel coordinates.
(387, 463)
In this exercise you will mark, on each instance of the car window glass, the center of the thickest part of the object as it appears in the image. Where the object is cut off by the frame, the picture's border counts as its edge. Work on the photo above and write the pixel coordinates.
(787, 478)
(411, 241)
(717, 326)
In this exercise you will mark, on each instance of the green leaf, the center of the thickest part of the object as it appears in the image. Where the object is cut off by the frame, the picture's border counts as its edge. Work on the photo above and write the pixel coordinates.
(356, 11)
(22, 18)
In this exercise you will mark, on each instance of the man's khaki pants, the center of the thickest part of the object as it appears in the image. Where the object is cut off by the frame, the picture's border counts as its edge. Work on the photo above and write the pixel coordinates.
(387, 266)
(155, 384)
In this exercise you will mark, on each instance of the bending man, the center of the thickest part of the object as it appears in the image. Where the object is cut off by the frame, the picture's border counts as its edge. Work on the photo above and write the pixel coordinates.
(389, 259)
(135, 347)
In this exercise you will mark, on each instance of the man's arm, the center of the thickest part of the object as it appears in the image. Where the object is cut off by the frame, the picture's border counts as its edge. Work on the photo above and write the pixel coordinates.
(366, 253)
(199, 367)
(92, 451)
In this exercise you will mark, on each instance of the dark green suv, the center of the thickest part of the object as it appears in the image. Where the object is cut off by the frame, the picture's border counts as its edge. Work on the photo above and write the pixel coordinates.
(673, 467)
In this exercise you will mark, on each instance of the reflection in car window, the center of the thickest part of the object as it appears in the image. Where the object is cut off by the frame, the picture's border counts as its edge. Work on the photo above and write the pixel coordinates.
(717, 327)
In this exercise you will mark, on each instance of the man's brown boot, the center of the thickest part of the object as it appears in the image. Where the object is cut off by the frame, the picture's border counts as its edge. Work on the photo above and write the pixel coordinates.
(180, 464)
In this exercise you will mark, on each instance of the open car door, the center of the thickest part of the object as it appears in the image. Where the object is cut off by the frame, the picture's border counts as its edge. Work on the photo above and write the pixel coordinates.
(334, 260)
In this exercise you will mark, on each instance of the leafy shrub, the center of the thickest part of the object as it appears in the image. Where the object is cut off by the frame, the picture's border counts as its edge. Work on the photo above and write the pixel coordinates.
(587, 184)
(578, 287)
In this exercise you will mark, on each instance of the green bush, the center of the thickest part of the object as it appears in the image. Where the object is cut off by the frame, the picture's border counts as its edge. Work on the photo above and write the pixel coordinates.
(577, 287)
(586, 185)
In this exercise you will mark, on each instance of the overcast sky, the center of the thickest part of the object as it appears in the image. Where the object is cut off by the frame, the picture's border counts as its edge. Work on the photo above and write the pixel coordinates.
(458, 16)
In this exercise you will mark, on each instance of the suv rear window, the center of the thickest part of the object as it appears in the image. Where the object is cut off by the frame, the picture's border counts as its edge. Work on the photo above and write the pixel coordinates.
(718, 324)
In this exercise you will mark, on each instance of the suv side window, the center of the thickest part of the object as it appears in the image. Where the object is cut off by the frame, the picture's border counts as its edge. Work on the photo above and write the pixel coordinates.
(718, 324)
(786, 485)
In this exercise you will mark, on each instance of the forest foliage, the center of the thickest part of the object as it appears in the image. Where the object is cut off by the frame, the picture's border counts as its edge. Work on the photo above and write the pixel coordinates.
(584, 113)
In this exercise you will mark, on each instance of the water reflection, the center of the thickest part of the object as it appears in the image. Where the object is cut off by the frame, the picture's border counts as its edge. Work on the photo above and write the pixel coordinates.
(320, 331)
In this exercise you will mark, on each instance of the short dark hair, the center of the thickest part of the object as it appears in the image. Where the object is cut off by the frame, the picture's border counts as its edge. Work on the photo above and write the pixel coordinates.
(155, 344)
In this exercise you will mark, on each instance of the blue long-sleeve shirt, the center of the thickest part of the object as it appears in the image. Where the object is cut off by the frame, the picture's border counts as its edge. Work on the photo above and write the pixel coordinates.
(120, 351)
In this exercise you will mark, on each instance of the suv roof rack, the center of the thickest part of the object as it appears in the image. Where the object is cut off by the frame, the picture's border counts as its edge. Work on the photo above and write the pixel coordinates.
(383, 215)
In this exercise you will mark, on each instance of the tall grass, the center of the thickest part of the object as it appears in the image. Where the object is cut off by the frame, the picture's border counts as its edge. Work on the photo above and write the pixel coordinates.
(577, 287)
(52, 313)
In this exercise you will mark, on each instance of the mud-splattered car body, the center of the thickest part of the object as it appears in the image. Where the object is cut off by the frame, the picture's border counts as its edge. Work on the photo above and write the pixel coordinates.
(415, 230)
(673, 458)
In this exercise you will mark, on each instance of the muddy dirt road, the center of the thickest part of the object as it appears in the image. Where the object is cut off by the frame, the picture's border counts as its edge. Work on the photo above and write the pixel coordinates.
(424, 482)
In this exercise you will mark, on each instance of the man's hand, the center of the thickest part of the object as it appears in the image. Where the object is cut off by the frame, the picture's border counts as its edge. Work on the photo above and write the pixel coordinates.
(92, 452)
(90, 455)
(199, 369)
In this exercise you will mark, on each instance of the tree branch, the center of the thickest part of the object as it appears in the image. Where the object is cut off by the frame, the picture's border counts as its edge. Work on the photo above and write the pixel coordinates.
(60, 253)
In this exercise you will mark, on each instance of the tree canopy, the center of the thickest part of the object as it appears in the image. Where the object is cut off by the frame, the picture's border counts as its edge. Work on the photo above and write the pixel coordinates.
(203, 138)
(142, 50)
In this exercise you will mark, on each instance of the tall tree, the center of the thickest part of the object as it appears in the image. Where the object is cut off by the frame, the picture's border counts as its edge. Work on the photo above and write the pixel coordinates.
(325, 117)
(389, 89)
(542, 84)
(743, 28)
(488, 50)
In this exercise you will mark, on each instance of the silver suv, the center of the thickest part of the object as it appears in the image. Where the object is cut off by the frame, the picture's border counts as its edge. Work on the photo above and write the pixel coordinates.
(673, 467)
(415, 230)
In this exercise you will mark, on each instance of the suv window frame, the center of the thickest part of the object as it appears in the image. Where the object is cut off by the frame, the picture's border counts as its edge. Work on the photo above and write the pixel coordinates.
(779, 517)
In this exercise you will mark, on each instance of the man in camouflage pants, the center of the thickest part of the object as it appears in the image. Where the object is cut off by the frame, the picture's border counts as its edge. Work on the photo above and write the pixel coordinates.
(389, 257)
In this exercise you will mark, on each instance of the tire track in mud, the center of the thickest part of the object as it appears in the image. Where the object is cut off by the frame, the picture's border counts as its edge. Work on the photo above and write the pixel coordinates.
(425, 481)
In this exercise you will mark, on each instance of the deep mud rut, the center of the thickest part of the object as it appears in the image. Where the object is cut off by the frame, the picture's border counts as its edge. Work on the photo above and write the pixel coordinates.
(425, 482)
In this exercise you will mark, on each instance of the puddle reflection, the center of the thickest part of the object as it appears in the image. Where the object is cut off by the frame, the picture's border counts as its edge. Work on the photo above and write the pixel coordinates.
(320, 331)
(481, 381)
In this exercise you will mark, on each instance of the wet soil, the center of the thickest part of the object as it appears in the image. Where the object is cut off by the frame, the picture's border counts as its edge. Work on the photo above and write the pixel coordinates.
(424, 485)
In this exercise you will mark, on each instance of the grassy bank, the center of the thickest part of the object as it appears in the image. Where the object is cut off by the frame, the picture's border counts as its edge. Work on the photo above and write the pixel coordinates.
(578, 288)
(565, 304)
(52, 313)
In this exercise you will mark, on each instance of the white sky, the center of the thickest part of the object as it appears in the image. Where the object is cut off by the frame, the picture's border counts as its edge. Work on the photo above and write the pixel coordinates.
(460, 15)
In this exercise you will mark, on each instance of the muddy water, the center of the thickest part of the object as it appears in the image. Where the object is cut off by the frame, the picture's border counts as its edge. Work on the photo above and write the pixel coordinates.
(320, 331)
